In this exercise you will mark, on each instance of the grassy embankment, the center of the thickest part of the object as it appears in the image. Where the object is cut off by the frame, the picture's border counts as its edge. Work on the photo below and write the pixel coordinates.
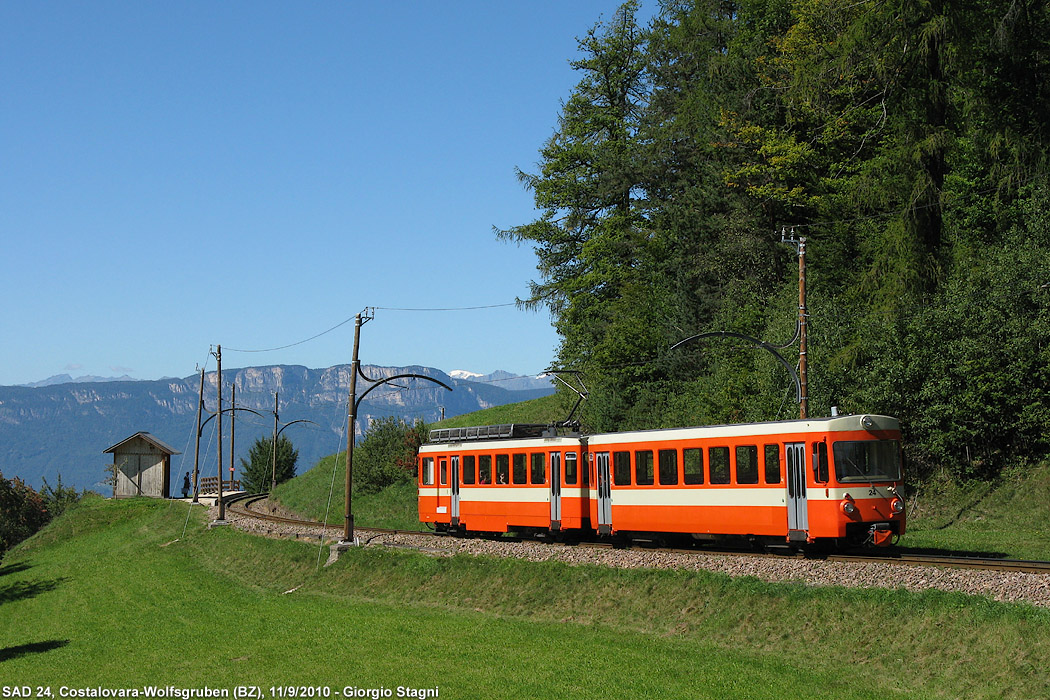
(117, 594)
(1006, 518)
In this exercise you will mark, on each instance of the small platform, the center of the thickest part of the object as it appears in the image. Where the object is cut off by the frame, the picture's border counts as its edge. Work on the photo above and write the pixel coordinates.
(210, 499)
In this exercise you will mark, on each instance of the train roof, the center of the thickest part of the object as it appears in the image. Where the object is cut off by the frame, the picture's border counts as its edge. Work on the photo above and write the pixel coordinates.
(524, 431)
(503, 431)
(867, 421)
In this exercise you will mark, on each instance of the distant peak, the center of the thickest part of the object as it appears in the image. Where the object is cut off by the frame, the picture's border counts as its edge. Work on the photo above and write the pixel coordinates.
(66, 379)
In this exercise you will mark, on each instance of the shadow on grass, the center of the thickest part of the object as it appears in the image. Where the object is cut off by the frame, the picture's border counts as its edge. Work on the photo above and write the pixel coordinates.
(14, 652)
(14, 568)
(21, 590)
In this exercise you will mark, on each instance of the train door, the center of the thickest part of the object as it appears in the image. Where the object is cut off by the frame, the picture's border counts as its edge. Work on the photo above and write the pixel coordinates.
(798, 514)
(454, 512)
(601, 460)
(442, 489)
(555, 476)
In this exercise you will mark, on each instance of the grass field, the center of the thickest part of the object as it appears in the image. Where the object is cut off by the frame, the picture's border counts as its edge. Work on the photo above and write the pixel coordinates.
(124, 594)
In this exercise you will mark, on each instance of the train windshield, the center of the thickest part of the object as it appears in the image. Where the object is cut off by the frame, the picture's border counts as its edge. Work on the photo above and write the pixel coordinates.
(867, 460)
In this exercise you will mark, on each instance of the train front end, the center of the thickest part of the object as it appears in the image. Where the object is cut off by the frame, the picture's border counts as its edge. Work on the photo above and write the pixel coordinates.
(858, 478)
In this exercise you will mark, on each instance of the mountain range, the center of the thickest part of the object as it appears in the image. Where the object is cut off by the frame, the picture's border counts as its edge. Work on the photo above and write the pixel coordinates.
(60, 428)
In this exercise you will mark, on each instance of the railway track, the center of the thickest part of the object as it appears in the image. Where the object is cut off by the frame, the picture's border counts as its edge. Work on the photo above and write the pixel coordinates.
(242, 505)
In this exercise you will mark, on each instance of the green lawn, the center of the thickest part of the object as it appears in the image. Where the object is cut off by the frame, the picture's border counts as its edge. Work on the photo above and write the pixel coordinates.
(132, 593)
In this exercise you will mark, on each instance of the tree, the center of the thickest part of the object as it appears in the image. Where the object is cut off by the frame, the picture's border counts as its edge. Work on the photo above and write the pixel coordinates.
(903, 139)
(59, 497)
(387, 453)
(257, 472)
(592, 243)
(22, 512)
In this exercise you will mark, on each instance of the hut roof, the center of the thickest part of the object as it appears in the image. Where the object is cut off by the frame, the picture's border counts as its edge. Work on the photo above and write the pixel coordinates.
(148, 438)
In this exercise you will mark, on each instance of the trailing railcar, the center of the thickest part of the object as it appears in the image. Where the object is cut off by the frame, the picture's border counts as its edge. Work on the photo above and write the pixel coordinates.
(500, 478)
(799, 481)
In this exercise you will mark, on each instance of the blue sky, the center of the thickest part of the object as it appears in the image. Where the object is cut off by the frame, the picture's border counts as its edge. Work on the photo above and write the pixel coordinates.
(177, 175)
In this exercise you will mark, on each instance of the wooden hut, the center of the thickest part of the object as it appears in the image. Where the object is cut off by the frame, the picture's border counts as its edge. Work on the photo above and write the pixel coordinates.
(142, 465)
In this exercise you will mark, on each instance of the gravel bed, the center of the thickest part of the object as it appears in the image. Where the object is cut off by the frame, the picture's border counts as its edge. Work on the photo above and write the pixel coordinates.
(1013, 587)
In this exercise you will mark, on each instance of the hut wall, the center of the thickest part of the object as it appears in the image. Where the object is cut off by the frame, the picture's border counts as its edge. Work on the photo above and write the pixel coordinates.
(141, 471)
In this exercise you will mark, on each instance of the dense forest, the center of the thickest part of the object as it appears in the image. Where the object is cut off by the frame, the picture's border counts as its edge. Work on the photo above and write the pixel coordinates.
(906, 140)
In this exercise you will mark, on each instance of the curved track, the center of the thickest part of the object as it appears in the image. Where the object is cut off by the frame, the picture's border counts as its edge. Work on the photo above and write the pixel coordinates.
(242, 505)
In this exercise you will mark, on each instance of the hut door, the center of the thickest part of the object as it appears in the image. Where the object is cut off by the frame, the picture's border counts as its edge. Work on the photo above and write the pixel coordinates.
(129, 476)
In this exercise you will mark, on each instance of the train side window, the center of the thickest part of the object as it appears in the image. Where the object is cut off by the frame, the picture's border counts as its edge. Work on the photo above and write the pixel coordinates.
(502, 469)
(570, 469)
(772, 464)
(746, 464)
(622, 468)
(820, 462)
(643, 467)
(539, 468)
(668, 467)
(521, 471)
(444, 472)
(469, 469)
(693, 465)
(426, 471)
(718, 463)
(485, 469)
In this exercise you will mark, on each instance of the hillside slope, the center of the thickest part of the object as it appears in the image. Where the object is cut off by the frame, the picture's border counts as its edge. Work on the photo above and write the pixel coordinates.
(140, 593)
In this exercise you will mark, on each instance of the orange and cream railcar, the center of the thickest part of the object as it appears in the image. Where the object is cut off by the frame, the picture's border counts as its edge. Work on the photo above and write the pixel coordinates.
(500, 478)
(799, 481)
(830, 479)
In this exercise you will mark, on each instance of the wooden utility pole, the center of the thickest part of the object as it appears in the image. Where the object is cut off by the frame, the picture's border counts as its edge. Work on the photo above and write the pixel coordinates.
(355, 369)
(803, 406)
(197, 447)
(233, 423)
(351, 425)
(273, 477)
(218, 377)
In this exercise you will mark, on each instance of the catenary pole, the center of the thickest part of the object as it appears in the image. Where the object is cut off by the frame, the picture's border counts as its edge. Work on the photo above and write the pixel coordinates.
(803, 406)
(273, 452)
(233, 424)
(197, 446)
(218, 377)
(351, 427)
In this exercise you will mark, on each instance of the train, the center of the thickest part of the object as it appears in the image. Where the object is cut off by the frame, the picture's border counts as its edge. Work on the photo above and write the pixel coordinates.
(791, 483)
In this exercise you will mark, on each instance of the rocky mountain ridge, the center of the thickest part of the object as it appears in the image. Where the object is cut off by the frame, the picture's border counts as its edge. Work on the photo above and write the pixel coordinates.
(62, 429)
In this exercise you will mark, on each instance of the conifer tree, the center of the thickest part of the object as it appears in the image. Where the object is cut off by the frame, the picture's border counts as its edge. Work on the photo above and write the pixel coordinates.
(257, 472)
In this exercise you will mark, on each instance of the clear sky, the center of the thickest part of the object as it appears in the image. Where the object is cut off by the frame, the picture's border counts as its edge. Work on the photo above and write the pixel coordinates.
(176, 175)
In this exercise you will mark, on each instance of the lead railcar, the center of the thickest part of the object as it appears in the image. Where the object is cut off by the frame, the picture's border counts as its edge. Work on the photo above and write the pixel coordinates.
(799, 481)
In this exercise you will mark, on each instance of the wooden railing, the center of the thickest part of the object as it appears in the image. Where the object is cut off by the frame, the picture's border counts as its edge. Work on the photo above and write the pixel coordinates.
(210, 484)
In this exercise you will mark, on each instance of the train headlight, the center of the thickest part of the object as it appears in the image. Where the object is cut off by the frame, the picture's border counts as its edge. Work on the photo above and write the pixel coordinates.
(848, 506)
(897, 505)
